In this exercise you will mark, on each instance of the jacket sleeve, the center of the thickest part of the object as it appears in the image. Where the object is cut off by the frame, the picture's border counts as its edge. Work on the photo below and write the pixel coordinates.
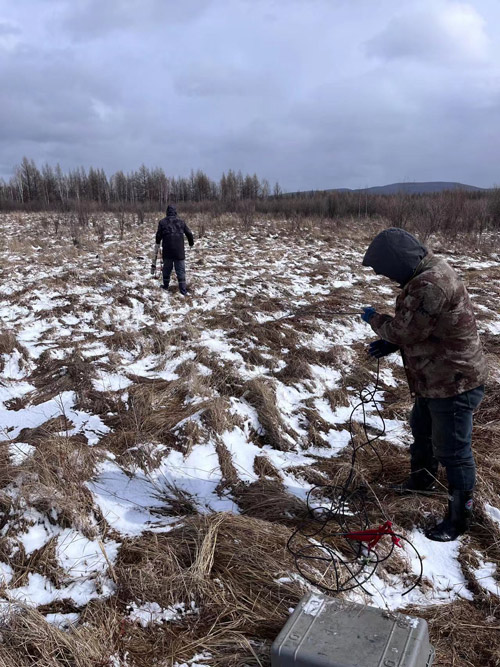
(189, 235)
(415, 318)
(158, 235)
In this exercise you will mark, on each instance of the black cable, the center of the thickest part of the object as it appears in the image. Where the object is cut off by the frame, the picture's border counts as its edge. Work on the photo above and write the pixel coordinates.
(347, 505)
(310, 312)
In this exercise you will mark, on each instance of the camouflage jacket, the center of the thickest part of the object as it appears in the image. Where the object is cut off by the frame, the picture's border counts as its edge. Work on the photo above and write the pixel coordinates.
(435, 327)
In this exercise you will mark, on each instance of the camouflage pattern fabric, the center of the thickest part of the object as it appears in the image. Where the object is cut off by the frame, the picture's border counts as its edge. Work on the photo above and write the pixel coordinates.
(435, 327)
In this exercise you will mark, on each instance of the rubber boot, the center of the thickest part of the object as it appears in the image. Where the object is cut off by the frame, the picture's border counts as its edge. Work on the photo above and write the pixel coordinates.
(458, 519)
(183, 287)
(421, 482)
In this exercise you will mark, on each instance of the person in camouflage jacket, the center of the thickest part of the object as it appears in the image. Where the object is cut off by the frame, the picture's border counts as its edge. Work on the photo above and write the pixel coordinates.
(434, 328)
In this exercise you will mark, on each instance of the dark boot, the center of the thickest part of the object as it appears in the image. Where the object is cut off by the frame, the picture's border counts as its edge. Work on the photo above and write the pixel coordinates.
(458, 519)
(418, 482)
(165, 287)
(183, 287)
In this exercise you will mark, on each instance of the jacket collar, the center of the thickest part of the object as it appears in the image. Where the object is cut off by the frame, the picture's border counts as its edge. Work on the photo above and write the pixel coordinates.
(423, 266)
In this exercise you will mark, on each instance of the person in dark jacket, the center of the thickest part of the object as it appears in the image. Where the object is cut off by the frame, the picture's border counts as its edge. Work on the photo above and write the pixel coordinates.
(171, 232)
(435, 329)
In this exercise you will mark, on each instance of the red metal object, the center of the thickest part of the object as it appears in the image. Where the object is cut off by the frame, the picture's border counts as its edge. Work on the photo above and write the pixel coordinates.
(373, 536)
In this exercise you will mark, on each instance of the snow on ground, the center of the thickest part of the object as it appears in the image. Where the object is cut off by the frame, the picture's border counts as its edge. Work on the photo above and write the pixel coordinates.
(183, 400)
(444, 580)
(151, 612)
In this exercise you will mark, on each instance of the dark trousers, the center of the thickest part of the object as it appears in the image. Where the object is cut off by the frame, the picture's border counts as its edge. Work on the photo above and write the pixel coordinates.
(442, 433)
(180, 270)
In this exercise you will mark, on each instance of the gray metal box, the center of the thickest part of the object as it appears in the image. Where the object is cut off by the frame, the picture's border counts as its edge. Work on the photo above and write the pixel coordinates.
(326, 632)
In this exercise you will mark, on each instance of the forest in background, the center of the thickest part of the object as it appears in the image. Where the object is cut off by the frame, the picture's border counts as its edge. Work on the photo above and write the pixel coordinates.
(84, 192)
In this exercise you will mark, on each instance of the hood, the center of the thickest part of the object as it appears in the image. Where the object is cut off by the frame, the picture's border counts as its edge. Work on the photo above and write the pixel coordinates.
(396, 254)
(171, 211)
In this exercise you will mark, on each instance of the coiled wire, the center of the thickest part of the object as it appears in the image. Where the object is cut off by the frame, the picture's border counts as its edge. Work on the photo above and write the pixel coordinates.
(321, 561)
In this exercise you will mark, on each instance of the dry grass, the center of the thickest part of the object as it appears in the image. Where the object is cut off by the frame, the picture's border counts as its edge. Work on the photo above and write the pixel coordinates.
(259, 392)
(264, 468)
(273, 335)
(41, 561)
(216, 417)
(486, 444)
(28, 640)
(229, 473)
(53, 481)
(297, 369)
(229, 567)
(267, 499)
(123, 340)
(464, 634)
(8, 342)
(152, 411)
(52, 377)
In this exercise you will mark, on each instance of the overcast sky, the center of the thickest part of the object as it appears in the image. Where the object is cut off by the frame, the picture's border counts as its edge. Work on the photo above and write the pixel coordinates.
(312, 93)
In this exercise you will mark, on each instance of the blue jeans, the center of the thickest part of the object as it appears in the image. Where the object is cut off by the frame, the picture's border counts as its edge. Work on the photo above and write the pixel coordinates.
(180, 270)
(442, 433)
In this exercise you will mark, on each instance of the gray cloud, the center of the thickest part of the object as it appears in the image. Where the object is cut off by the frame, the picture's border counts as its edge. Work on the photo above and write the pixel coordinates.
(87, 19)
(8, 29)
(306, 93)
(203, 79)
(439, 32)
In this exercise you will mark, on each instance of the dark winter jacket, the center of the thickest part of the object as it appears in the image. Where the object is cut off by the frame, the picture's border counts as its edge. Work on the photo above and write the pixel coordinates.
(170, 234)
(434, 323)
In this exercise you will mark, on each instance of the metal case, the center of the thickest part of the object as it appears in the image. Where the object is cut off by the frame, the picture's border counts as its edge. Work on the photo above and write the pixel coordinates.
(327, 632)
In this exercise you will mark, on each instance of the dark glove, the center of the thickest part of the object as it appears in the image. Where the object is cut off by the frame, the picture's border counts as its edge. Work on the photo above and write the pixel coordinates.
(381, 348)
(153, 269)
(368, 313)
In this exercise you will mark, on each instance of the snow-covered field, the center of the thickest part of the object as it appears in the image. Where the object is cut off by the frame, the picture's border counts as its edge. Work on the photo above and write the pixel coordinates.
(126, 411)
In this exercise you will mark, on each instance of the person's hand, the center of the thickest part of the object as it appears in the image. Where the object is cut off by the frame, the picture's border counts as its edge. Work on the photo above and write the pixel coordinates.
(153, 269)
(367, 314)
(381, 348)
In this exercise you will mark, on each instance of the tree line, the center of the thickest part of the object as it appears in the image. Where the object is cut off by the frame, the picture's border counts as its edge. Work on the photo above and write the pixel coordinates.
(32, 188)
(150, 190)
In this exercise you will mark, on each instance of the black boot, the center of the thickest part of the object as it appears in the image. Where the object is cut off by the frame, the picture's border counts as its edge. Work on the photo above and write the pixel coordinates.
(165, 287)
(183, 287)
(422, 482)
(458, 519)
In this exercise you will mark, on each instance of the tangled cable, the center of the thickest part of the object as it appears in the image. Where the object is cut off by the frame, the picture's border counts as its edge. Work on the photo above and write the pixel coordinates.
(348, 563)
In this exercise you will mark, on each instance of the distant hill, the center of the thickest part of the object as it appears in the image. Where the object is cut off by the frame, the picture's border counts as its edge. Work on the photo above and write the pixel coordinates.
(396, 188)
(411, 188)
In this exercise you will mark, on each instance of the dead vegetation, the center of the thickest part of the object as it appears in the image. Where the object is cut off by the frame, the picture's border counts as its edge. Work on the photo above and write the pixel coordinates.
(28, 640)
(8, 342)
(464, 633)
(54, 376)
(229, 567)
(260, 394)
(272, 339)
(52, 481)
